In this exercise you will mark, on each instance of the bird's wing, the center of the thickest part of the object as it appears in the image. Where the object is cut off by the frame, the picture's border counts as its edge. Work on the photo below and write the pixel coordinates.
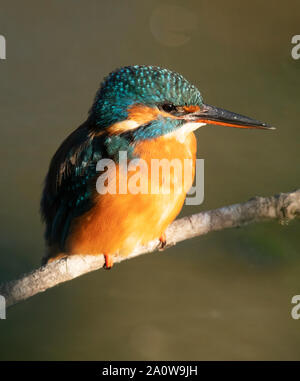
(70, 184)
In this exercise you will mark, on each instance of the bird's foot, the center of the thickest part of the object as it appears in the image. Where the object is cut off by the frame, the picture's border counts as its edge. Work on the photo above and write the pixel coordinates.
(163, 242)
(109, 262)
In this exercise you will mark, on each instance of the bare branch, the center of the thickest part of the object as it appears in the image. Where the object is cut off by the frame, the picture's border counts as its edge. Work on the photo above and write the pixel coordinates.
(284, 207)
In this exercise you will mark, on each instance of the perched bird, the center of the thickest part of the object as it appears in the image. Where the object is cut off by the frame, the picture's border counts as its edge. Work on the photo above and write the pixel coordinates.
(147, 112)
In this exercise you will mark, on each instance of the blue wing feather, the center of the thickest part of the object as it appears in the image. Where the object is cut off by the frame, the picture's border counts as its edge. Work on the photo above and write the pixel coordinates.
(70, 183)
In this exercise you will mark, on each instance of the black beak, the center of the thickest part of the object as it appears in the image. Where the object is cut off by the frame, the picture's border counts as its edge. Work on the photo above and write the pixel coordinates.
(214, 115)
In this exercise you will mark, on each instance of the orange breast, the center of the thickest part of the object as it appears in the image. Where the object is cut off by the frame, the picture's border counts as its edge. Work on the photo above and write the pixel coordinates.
(118, 222)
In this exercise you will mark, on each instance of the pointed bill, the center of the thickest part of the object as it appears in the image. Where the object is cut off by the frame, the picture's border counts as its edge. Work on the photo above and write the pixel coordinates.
(214, 115)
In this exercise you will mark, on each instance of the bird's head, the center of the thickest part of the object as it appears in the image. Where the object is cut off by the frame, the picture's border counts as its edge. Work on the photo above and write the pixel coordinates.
(148, 102)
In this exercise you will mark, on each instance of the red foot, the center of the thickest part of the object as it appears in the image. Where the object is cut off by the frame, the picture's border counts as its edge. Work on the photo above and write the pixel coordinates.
(163, 241)
(109, 262)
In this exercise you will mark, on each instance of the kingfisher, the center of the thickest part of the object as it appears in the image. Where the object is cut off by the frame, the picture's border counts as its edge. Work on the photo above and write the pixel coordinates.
(149, 113)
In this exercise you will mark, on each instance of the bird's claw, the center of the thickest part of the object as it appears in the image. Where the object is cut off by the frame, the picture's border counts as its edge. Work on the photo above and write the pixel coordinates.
(109, 262)
(163, 242)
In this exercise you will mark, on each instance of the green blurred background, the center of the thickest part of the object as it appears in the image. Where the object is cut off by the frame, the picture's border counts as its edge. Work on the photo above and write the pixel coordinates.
(225, 296)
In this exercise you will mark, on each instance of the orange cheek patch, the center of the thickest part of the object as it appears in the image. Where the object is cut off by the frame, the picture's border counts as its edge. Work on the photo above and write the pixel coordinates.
(139, 114)
(145, 114)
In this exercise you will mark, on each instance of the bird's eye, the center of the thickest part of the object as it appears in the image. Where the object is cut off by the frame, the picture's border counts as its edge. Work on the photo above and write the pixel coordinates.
(169, 107)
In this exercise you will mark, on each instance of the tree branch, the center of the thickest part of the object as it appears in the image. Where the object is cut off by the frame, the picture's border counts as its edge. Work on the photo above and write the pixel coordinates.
(284, 207)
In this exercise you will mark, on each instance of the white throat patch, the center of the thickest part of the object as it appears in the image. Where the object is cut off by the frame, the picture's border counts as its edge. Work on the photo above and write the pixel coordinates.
(181, 133)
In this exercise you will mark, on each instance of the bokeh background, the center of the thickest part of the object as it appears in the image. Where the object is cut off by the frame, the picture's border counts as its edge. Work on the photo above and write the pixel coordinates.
(225, 296)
